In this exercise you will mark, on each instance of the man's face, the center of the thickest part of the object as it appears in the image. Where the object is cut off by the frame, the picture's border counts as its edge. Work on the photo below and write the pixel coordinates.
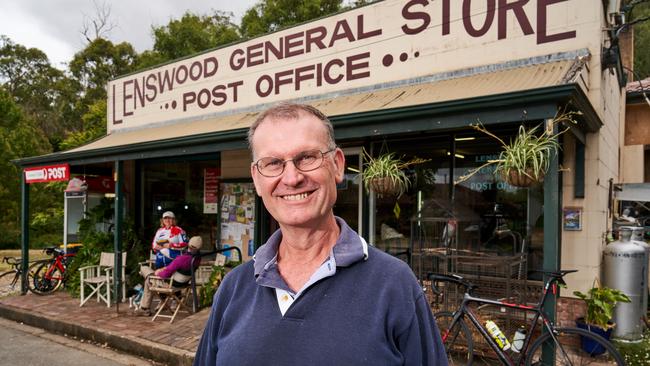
(296, 198)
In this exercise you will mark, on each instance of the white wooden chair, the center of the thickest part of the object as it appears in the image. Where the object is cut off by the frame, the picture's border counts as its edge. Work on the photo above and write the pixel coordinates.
(100, 278)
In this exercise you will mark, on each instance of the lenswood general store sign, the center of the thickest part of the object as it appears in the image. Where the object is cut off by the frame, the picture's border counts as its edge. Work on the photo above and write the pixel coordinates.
(373, 45)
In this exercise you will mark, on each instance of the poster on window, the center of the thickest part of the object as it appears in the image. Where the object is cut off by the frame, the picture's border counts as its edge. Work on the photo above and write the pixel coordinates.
(238, 218)
(210, 191)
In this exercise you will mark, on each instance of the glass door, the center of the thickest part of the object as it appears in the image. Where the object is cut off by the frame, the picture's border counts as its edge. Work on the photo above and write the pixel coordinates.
(348, 204)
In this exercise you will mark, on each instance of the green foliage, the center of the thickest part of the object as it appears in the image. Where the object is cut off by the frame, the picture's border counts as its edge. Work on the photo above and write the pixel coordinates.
(39, 88)
(271, 15)
(96, 64)
(600, 304)
(207, 291)
(635, 353)
(94, 126)
(194, 33)
(18, 138)
(206, 294)
(387, 166)
(529, 153)
(641, 37)
(96, 239)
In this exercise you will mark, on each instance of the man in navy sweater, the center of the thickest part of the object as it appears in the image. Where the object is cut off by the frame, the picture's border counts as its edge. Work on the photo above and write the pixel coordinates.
(315, 293)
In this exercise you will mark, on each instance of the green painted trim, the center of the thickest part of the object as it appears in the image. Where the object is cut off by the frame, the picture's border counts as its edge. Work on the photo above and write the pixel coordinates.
(187, 145)
(24, 228)
(552, 237)
(117, 238)
(552, 227)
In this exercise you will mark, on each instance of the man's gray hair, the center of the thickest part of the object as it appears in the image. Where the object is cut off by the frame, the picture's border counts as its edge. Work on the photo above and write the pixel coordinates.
(291, 111)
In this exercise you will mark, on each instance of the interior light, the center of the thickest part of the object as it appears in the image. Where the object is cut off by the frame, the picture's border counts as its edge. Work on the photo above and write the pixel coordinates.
(464, 138)
(186, 207)
(354, 169)
(109, 195)
(459, 156)
(159, 208)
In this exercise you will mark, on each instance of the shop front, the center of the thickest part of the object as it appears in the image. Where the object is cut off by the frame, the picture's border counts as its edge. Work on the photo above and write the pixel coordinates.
(408, 77)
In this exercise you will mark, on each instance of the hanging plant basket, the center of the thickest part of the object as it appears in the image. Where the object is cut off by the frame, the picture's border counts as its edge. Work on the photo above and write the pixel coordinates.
(529, 151)
(519, 179)
(385, 186)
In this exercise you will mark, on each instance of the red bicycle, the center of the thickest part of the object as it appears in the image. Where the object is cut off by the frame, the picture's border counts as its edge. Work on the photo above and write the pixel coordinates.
(50, 274)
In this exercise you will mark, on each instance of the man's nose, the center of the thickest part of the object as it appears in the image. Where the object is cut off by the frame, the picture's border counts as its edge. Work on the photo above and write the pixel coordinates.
(291, 175)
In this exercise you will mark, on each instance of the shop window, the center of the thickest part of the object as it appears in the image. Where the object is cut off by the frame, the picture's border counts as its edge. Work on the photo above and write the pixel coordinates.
(489, 216)
(179, 186)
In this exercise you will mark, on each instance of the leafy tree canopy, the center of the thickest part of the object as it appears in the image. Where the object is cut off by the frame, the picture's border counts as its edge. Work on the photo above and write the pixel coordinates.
(270, 15)
(189, 35)
(98, 63)
(19, 137)
(639, 14)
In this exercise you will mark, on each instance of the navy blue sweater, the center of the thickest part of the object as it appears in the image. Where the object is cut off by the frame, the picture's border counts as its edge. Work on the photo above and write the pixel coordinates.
(371, 312)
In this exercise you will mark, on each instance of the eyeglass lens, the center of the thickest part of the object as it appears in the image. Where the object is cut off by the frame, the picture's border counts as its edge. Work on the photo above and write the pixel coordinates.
(305, 161)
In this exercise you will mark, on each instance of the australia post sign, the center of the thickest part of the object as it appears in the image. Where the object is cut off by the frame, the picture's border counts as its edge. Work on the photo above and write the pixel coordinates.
(47, 173)
(368, 47)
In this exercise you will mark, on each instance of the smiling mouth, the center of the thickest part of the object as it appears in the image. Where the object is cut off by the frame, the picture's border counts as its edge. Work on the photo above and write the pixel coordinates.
(295, 197)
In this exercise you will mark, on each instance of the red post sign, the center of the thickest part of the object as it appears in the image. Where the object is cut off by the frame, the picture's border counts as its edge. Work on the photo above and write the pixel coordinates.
(49, 173)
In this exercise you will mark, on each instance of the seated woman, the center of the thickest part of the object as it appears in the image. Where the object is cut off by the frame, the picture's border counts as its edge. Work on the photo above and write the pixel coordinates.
(170, 240)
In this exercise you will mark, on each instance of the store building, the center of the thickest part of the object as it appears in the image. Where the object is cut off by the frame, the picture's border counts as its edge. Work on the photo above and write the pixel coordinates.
(401, 76)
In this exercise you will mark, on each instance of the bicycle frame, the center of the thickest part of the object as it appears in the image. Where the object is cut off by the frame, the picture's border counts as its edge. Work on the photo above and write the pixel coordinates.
(466, 312)
(59, 263)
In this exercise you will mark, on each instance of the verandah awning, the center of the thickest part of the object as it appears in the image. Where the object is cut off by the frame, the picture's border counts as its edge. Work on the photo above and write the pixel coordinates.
(547, 78)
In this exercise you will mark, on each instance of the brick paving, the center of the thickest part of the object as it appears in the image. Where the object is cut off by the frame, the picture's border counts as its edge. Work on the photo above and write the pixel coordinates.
(60, 313)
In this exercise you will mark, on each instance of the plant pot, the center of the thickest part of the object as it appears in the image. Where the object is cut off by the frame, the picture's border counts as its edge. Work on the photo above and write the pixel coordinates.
(516, 179)
(384, 186)
(588, 345)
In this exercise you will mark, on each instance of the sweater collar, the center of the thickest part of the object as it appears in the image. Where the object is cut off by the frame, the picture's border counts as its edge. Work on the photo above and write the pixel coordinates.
(349, 249)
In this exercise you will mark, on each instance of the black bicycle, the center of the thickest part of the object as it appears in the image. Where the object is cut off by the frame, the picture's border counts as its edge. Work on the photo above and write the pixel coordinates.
(541, 343)
(9, 280)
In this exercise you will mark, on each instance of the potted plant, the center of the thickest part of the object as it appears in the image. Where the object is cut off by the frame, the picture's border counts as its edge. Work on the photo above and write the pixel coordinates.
(600, 303)
(525, 160)
(385, 174)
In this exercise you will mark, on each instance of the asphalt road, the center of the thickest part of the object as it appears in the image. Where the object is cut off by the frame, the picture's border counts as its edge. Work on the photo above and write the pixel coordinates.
(24, 345)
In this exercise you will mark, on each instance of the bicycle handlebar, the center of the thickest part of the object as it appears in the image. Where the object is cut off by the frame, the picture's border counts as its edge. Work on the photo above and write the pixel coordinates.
(11, 260)
(453, 278)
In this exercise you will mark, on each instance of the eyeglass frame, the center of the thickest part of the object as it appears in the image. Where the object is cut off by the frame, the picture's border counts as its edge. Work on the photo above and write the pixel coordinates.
(284, 162)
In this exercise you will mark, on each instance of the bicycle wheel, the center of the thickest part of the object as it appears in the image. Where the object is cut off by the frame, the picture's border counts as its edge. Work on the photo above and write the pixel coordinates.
(570, 352)
(9, 282)
(458, 341)
(45, 280)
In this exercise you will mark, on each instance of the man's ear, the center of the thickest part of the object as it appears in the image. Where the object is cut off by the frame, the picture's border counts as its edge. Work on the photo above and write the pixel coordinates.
(254, 174)
(339, 164)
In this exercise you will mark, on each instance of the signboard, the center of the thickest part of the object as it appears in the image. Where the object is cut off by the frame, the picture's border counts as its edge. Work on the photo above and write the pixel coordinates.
(49, 173)
(369, 47)
(210, 191)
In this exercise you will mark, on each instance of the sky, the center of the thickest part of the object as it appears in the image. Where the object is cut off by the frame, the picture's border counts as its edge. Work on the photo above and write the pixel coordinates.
(54, 26)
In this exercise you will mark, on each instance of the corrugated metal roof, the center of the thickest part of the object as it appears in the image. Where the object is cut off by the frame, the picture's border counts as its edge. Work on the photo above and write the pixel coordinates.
(638, 86)
(491, 82)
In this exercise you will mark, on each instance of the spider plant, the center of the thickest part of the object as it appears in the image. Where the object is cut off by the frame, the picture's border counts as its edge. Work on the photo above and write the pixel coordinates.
(527, 157)
(386, 174)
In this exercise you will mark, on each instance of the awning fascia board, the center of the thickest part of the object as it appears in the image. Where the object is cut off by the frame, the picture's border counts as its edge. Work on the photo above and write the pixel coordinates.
(537, 104)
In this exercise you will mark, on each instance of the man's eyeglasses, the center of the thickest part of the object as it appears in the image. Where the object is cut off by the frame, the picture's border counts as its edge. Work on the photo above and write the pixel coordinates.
(305, 161)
